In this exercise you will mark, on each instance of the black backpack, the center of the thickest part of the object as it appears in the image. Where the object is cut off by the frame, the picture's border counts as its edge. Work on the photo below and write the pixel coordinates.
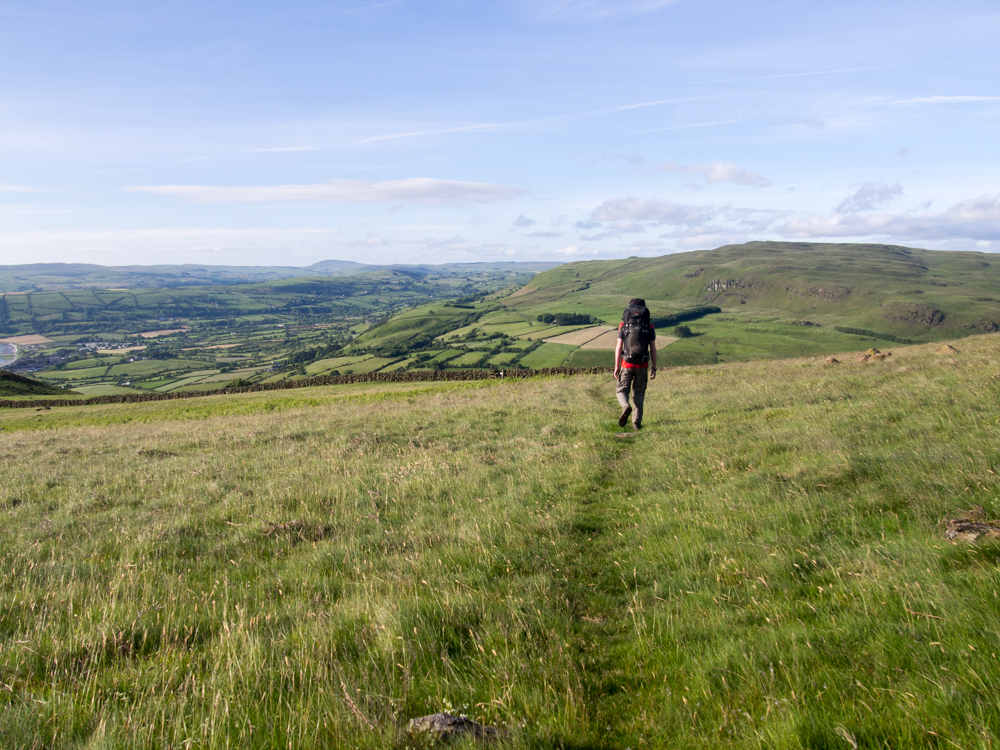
(636, 334)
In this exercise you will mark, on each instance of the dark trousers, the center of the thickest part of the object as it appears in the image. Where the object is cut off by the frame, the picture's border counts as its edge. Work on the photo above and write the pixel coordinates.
(632, 379)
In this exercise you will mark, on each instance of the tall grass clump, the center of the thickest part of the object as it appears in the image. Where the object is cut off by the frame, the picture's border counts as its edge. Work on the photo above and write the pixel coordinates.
(762, 566)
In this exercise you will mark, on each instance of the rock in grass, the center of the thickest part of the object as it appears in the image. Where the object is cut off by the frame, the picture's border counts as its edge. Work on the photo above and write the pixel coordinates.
(832, 361)
(965, 529)
(872, 355)
(445, 726)
(947, 349)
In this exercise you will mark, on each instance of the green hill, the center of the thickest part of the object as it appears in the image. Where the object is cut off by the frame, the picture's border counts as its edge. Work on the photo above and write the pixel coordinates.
(12, 384)
(906, 292)
(764, 565)
(760, 300)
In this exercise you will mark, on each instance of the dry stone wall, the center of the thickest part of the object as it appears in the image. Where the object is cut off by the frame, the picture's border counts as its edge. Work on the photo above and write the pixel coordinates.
(371, 377)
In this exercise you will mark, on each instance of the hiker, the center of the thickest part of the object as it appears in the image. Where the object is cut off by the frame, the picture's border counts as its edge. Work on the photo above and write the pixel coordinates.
(634, 352)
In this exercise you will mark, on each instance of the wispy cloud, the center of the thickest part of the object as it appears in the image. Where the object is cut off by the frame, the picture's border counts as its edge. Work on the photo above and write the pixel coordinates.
(593, 10)
(550, 119)
(792, 75)
(714, 173)
(18, 189)
(947, 99)
(523, 222)
(440, 131)
(281, 149)
(870, 196)
(684, 127)
(420, 190)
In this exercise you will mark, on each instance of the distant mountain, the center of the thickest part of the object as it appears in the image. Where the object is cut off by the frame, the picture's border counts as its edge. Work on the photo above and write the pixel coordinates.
(44, 277)
(12, 384)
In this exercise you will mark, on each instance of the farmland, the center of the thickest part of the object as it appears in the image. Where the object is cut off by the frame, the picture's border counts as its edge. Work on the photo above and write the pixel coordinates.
(110, 340)
(737, 303)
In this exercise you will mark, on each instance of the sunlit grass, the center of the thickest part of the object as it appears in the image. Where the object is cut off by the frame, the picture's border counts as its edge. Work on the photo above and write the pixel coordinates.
(761, 566)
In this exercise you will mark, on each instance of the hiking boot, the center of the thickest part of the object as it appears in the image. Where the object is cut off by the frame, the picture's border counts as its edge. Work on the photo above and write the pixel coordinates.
(623, 419)
(637, 425)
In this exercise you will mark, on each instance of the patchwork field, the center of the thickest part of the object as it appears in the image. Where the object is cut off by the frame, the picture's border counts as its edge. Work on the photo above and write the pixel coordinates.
(609, 340)
(583, 336)
(26, 340)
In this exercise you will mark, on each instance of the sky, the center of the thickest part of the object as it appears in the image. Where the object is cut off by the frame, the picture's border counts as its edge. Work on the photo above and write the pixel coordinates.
(440, 131)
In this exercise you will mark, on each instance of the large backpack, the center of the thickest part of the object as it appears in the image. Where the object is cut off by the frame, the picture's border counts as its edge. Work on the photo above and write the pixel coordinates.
(636, 334)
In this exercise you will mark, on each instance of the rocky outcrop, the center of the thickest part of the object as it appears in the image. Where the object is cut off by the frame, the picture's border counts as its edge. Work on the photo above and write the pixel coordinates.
(967, 530)
(872, 355)
(445, 726)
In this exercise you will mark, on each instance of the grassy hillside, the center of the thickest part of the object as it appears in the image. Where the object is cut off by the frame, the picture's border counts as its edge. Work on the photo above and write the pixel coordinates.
(907, 292)
(12, 384)
(762, 566)
(777, 300)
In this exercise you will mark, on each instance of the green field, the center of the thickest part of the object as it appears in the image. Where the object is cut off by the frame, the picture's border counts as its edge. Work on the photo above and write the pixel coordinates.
(601, 358)
(762, 566)
(547, 355)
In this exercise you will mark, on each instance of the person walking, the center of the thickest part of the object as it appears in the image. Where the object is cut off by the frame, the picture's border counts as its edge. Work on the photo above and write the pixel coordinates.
(635, 351)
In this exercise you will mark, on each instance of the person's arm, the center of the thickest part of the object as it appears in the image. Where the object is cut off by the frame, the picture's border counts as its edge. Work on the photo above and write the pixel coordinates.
(618, 358)
(652, 358)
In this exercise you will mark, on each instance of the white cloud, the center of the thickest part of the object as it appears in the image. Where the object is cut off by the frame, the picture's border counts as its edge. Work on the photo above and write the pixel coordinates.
(545, 234)
(575, 250)
(18, 189)
(419, 190)
(618, 228)
(524, 222)
(975, 219)
(373, 239)
(662, 212)
(972, 219)
(715, 173)
(869, 196)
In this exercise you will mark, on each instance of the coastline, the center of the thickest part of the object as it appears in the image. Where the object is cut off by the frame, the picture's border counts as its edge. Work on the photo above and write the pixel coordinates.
(8, 355)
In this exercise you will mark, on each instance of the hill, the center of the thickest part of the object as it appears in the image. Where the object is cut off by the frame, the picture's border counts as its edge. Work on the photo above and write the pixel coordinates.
(906, 292)
(764, 564)
(771, 300)
(54, 277)
(12, 384)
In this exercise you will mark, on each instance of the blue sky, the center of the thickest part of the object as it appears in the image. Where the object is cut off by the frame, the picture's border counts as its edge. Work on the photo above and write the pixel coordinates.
(456, 130)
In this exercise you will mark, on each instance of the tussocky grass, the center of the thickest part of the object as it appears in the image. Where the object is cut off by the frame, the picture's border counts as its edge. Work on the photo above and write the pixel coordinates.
(762, 566)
